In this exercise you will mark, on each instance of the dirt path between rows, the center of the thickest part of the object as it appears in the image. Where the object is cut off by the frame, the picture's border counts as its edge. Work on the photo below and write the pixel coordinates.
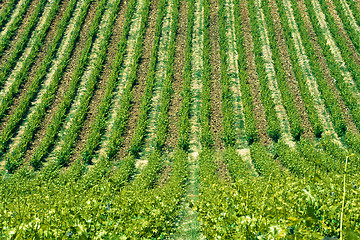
(179, 63)
(50, 76)
(29, 48)
(189, 227)
(334, 49)
(18, 33)
(216, 115)
(139, 86)
(233, 69)
(271, 75)
(65, 81)
(307, 72)
(351, 17)
(290, 75)
(160, 75)
(253, 80)
(103, 80)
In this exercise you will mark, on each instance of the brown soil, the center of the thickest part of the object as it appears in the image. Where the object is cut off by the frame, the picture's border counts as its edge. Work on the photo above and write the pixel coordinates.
(101, 85)
(139, 86)
(324, 67)
(222, 170)
(37, 63)
(65, 82)
(343, 32)
(287, 66)
(179, 62)
(252, 75)
(17, 36)
(216, 117)
(164, 176)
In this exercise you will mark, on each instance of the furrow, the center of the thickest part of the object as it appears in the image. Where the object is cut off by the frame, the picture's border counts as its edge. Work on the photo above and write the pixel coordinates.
(350, 15)
(334, 49)
(160, 76)
(49, 78)
(6, 11)
(190, 224)
(14, 16)
(307, 72)
(83, 84)
(233, 71)
(123, 78)
(271, 75)
(27, 50)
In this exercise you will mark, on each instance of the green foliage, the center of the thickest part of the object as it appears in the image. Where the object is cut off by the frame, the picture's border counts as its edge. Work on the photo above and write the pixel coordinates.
(98, 127)
(145, 105)
(287, 98)
(184, 114)
(336, 69)
(90, 207)
(35, 120)
(274, 130)
(279, 208)
(327, 94)
(59, 117)
(71, 134)
(22, 75)
(13, 27)
(246, 97)
(6, 11)
(227, 98)
(235, 163)
(291, 159)
(263, 161)
(314, 154)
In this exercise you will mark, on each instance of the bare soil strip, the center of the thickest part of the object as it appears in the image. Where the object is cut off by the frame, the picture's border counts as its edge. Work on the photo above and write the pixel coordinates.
(334, 49)
(271, 75)
(216, 114)
(190, 227)
(123, 76)
(354, 53)
(83, 82)
(102, 82)
(175, 102)
(233, 69)
(350, 15)
(253, 80)
(50, 76)
(64, 83)
(307, 72)
(27, 50)
(14, 15)
(141, 74)
(4, 57)
(288, 67)
(160, 76)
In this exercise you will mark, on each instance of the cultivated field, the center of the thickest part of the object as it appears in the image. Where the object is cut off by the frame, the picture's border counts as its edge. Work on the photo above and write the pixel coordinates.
(179, 119)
